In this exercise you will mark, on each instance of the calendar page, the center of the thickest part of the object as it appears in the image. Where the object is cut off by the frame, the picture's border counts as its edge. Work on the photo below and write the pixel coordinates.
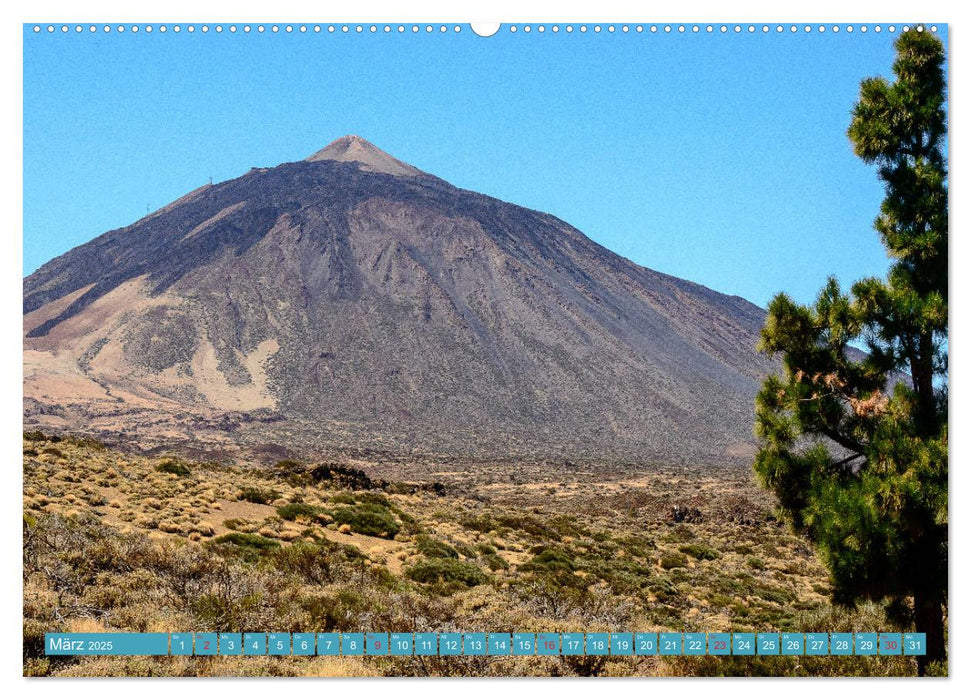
(485, 350)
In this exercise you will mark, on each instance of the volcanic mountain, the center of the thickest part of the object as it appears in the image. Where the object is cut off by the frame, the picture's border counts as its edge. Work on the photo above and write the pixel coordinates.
(352, 300)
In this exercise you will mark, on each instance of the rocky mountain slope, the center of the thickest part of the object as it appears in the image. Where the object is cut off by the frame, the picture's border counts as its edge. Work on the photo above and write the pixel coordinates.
(351, 301)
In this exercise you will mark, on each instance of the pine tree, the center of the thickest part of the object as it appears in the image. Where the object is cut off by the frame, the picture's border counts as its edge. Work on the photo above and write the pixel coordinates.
(854, 444)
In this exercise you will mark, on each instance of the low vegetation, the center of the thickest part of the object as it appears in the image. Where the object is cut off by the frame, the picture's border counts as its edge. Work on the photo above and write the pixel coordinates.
(113, 543)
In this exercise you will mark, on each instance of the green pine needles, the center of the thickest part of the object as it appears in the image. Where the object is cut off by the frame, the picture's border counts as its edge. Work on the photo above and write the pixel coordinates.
(853, 444)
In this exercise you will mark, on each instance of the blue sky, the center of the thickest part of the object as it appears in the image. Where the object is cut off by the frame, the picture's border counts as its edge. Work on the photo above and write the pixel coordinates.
(720, 158)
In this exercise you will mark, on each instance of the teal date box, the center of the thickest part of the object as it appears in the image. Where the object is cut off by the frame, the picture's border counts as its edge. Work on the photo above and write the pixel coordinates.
(743, 644)
(352, 644)
(866, 644)
(645, 644)
(767, 644)
(548, 644)
(206, 643)
(598, 644)
(524, 644)
(278, 643)
(573, 644)
(621, 644)
(426, 644)
(500, 644)
(891, 644)
(377, 644)
(230, 644)
(841, 644)
(254, 644)
(695, 644)
(719, 644)
(817, 644)
(915, 643)
(450, 644)
(402, 644)
(475, 644)
(792, 644)
(328, 644)
(669, 643)
(303, 644)
(180, 644)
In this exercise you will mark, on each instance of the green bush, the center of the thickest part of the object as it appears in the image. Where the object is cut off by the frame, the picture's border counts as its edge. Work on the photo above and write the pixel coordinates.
(88, 442)
(173, 466)
(319, 562)
(435, 549)
(680, 533)
(495, 562)
(246, 539)
(447, 571)
(249, 546)
(368, 519)
(292, 511)
(378, 499)
(550, 559)
(755, 563)
(259, 496)
(347, 609)
(673, 560)
(663, 587)
(700, 551)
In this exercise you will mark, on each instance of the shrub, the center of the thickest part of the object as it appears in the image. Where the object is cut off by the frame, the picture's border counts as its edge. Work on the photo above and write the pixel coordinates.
(173, 466)
(680, 533)
(663, 587)
(446, 571)
(88, 442)
(368, 519)
(378, 499)
(550, 559)
(495, 562)
(292, 511)
(435, 549)
(755, 563)
(524, 523)
(249, 546)
(481, 523)
(673, 560)
(700, 551)
(320, 562)
(259, 496)
(346, 609)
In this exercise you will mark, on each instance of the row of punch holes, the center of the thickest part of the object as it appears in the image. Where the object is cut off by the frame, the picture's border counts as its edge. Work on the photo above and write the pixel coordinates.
(482, 30)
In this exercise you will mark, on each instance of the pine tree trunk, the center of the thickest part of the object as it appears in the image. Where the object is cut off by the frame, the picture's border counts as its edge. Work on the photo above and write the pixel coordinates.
(929, 619)
(922, 371)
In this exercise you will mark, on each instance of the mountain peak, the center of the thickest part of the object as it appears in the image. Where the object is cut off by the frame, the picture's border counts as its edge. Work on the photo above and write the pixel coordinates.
(354, 149)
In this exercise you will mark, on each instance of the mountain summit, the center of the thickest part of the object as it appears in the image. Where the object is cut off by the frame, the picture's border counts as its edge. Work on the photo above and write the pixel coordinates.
(354, 149)
(351, 301)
